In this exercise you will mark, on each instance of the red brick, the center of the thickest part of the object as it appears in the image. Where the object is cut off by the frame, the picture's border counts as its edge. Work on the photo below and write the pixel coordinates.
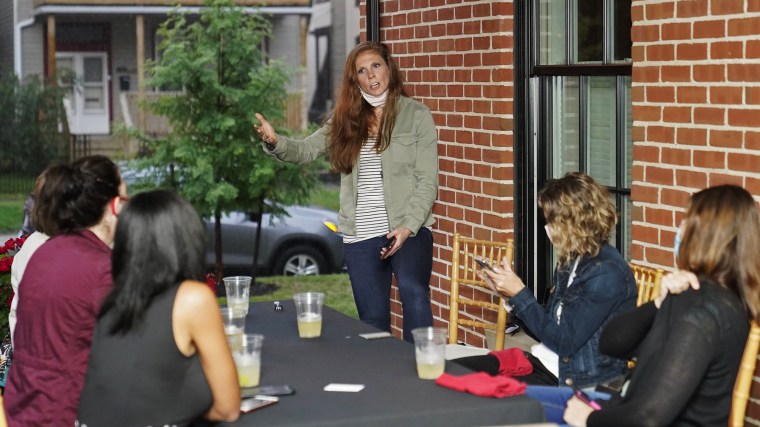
(660, 52)
(657, 11)
(753, 5)
(752, 140)
(709, 73)
(657, 175)
(647, 113)
(645, 194)
(645, 33)
(676, 114)
(722, 7)
(676, 31)
(672, 197)
(749, 118)
(710, 159)
(661, 94)
(727, 95)
(645, 234)
(692, 51)
(726, 50)
(637, 13)
(658, 216)
(720, 179)
(714, 116)
(746, 162)
(463, 12)
(691, 95)
(753, 186)
(753, 49)
(675, 156)
(691, 136)
(725, 138)
(744, 72)
(709, 29)
(691, 179)
(646, 74)
(646, 153)
(752, 94)
(690, 9)
(660, 134)
(743, 26)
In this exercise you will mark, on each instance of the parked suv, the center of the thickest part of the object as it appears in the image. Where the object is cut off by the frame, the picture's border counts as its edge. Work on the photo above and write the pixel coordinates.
(304, 242)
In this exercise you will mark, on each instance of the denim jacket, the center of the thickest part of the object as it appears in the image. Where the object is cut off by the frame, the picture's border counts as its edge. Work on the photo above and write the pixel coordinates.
(409, 168)
(602, 288)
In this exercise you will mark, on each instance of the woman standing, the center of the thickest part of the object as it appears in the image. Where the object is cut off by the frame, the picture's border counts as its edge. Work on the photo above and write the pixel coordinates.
(592, 283)
(159, 355)
(689, 345)
(61, 291)
(383, 143)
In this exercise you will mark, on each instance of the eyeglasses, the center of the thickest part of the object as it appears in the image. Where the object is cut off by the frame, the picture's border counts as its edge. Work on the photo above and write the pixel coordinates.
(122, 199)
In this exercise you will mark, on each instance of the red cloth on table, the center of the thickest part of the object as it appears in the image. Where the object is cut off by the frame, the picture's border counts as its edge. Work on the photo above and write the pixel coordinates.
(512, 362)
(482, 384)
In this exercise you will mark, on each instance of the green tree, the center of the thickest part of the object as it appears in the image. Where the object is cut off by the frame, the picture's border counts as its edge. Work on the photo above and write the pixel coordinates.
(222, 77)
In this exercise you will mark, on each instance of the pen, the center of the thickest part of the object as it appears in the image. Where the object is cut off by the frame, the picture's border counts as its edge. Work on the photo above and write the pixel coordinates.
(586, 399)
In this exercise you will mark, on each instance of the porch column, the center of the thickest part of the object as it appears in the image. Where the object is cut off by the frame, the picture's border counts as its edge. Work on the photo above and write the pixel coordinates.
(51, 49)
(140, 28)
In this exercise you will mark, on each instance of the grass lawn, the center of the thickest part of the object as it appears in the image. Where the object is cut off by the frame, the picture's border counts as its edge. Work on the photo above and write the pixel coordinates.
(336, 287)
(11, 212)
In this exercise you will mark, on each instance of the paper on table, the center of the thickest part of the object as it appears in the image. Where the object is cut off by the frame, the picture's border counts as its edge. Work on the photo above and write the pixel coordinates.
(351, 388)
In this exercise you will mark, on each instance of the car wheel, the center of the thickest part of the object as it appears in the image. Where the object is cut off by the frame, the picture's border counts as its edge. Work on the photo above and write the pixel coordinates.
(300, 261)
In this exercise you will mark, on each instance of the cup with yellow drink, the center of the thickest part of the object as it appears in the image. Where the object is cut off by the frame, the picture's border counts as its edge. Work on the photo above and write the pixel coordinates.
(246, 351)
(309, 313)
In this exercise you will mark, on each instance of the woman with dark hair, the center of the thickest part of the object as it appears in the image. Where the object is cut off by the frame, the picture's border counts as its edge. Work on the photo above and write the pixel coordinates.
(688, 346)
(592, 284)
(383, 143)
(61, 291)
(159, 354)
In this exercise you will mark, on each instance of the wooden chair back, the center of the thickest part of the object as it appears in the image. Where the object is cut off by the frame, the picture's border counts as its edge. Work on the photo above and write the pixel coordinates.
(465, 284)
(647, 281)
(743, 382)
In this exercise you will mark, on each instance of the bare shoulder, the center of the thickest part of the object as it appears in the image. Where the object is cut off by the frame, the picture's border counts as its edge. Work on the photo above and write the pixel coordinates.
(194, 296)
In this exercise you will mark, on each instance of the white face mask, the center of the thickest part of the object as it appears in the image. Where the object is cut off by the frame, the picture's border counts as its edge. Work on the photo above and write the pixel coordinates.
(548, 229)
(375, 101)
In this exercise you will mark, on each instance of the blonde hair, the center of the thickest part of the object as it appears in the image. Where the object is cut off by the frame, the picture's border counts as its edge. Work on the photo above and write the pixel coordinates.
(720, 241)
(580, 213)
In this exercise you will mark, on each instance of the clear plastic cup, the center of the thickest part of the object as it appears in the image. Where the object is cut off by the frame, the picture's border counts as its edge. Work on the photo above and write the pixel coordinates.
(246, 351)
(234, 322)
(430, 351)
(309, 313)
(238, 290)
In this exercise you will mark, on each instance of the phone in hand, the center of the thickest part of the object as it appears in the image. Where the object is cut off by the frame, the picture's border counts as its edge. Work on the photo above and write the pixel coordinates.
(386, 247)
(483, 264)
(583, 397)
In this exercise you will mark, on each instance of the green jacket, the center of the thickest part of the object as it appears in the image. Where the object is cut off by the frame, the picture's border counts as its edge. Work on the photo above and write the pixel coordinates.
(410, 168)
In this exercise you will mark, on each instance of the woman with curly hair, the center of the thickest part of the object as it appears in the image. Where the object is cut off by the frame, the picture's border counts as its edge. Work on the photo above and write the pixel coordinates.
(592, 283)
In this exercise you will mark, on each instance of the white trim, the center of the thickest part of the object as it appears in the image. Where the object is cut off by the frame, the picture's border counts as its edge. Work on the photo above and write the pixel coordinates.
(17, 39)
(159, 10)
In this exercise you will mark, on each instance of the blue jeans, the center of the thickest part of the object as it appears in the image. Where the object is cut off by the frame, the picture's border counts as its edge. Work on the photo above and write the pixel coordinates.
(554, 400)
(371, 280)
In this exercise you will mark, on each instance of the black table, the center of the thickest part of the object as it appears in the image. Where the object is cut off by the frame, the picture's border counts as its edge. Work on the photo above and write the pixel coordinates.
(393, 394)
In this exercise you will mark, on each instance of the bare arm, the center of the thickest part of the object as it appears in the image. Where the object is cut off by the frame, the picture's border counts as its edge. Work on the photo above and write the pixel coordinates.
(199, 327)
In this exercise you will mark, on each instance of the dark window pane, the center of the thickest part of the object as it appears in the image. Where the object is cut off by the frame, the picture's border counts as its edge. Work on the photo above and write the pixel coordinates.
(552, 32)
(621, 32)
(590, 30)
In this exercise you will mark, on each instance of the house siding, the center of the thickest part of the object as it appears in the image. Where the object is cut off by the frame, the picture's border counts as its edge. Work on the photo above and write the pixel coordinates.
(6, 37)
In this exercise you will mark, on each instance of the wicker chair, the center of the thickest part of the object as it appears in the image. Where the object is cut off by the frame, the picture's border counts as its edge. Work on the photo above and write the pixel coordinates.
(463, 276)
(743, 382)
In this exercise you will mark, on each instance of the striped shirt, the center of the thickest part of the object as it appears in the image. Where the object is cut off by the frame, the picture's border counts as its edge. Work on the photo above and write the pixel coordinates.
(371, 216)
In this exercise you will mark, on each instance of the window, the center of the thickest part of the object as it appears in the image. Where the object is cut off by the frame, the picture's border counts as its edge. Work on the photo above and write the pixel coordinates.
(577, 112)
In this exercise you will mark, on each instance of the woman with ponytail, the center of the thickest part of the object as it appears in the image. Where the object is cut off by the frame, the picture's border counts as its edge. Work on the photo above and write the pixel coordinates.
(383, 143)
(61, 291)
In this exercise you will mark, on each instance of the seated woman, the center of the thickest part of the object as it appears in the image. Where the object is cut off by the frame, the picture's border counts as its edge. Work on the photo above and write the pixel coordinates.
(592, 283)
(61, 291)
(688, 346)
(159, 354)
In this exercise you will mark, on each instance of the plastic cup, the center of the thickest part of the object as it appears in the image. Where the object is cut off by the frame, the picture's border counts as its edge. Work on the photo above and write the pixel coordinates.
(234, 322)
(309, 313)
(430, 351)
(246, 351)
(238, 290)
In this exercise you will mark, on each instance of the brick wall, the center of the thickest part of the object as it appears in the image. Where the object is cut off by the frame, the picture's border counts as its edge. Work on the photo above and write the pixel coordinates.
(457, 58)
(696, 111)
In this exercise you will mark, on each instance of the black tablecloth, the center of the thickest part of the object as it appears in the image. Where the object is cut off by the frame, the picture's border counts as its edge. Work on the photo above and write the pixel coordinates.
(393, 394)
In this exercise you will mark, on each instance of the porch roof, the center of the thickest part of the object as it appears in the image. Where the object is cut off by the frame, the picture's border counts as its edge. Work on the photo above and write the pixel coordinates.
(162, 7)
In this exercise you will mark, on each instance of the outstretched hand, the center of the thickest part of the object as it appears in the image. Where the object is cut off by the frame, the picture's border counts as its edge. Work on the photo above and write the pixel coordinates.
(502, 279)
(265, 130)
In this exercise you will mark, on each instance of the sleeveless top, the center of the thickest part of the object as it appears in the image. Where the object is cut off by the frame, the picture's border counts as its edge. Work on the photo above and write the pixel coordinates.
(141, 378)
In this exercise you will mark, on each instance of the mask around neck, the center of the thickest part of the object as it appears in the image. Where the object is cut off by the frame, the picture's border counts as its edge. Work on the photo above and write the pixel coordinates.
(375, 101)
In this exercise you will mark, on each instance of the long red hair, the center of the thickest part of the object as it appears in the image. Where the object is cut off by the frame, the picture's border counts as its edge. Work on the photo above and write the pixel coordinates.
(353, 117)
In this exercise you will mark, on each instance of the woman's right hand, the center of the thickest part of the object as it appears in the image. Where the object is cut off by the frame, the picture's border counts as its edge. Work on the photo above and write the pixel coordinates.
(675, 283)
(265, 130)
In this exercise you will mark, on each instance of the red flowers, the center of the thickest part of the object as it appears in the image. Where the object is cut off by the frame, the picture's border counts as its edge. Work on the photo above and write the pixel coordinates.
(211, 281)
(7, 251)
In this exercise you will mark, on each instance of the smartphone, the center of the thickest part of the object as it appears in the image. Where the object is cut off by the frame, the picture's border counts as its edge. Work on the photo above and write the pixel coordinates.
(587, 400)
(268, 390)
(483, 264)
(253, 403)
(389, 243)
